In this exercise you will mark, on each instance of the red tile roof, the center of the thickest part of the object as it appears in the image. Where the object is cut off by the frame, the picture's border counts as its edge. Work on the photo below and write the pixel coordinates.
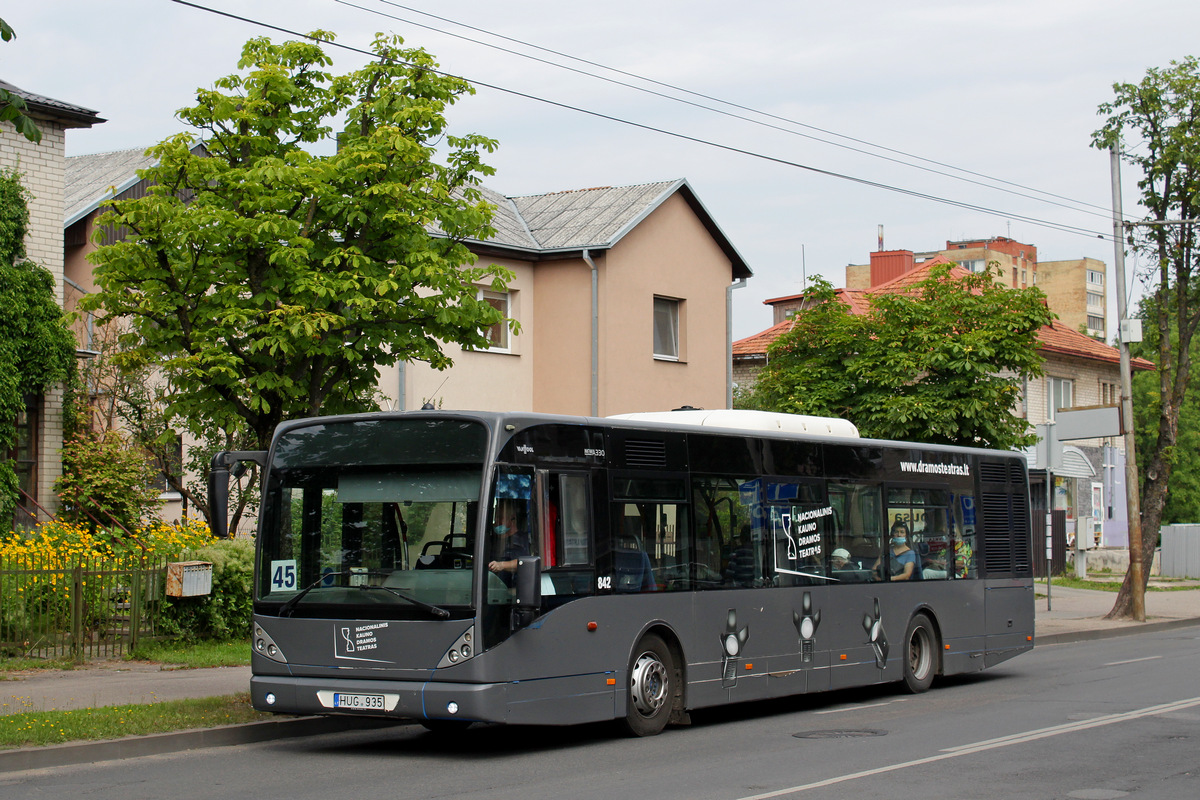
(1053, 338)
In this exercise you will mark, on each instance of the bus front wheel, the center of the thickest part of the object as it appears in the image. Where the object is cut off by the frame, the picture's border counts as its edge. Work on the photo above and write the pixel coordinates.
(652, 678)
(920, 654)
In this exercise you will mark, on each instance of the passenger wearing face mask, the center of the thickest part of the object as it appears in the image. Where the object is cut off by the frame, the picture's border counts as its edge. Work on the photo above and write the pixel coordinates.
(510, 539)
(903, 558)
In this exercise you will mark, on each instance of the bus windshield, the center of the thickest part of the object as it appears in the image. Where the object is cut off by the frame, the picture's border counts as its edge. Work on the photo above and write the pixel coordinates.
(371, 518)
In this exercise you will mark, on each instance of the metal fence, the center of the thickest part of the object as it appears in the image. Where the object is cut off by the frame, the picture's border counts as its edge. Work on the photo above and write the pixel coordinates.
(1180, 557)
(84, 607)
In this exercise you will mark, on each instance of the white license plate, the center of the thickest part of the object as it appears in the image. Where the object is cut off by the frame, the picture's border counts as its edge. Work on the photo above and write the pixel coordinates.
(358, 701)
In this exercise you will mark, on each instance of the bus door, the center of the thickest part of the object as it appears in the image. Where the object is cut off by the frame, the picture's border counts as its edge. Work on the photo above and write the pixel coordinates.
(567, 532)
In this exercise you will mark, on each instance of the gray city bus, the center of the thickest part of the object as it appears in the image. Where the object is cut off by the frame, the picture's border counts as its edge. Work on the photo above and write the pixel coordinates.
(455, 567)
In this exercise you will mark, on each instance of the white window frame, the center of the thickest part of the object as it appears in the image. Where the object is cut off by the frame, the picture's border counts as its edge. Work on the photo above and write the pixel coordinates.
(499, 334)
(1054, 387)
(665, 324)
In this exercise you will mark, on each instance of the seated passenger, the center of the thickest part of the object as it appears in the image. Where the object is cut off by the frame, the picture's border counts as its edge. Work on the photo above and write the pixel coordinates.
(742, 569)
(903, 561)
(840, 559)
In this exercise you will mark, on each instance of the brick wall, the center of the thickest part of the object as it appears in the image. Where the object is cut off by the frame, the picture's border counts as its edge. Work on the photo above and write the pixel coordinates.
(42, 167)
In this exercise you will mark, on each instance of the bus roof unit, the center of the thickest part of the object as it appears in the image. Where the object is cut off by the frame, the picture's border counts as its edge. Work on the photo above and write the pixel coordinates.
(750, 421)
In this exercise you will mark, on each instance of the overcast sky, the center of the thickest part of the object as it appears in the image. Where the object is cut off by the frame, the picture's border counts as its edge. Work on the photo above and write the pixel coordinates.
(1006, 89)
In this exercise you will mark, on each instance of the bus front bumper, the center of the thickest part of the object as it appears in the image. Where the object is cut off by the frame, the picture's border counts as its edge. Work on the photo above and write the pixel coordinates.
(417, 700)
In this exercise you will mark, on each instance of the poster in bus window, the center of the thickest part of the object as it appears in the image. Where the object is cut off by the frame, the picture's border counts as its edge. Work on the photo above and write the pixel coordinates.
(798, 533)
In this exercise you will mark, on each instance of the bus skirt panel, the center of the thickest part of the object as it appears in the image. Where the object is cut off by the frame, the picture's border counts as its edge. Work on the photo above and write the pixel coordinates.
(550, 701)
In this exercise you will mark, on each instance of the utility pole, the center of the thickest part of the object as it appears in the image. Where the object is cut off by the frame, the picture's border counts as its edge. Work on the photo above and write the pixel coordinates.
(1132, 500)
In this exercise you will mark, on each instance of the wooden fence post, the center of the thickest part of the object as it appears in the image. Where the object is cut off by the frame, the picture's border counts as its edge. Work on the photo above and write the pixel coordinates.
(77, 613)
(135, 606)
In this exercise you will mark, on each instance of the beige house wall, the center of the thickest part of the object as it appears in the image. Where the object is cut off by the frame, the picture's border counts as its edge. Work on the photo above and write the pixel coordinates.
(670, 254)
(479, 380)
(562, 376)
(41, 167)
(549, 366)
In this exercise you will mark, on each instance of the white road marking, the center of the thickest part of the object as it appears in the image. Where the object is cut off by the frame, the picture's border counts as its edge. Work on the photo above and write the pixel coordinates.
(990, 744)
(1130, 661)
(857, 708)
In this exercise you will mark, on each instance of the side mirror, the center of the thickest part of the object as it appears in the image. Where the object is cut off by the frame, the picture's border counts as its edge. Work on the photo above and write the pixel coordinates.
(529, 582)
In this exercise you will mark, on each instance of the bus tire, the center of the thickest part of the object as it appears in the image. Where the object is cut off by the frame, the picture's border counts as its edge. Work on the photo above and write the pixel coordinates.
(920, 654)
(652, 678)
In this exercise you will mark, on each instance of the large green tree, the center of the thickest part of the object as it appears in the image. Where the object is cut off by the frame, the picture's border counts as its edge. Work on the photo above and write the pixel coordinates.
(941, 363)
(37, 350)
(266, 280)
(1183, 500)
(1155, 125)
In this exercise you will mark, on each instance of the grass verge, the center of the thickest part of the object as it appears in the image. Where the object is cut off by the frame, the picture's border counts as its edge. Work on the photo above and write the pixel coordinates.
(38, 728)
(195, 656)
(1072, 582)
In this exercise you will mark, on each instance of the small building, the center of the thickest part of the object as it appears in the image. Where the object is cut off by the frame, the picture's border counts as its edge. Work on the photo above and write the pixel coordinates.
(1074, 288)
(41, 166)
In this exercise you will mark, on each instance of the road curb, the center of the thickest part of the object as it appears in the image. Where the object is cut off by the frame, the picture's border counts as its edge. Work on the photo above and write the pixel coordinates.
(62, 755)
(1068, 637)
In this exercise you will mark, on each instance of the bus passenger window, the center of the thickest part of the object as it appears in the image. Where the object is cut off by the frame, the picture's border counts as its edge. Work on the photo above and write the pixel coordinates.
(574, 520)
(859, 512)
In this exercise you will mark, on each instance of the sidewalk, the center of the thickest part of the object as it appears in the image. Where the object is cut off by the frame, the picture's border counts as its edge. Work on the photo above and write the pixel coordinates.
(1073, 615)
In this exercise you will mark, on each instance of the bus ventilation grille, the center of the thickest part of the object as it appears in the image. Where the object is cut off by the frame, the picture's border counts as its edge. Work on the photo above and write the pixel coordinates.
(645, 453)
(997, 543)
(993, 473)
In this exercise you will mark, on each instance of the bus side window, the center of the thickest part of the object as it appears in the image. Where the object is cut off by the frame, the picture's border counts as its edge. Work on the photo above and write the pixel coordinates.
(574, 520)
(567, 535)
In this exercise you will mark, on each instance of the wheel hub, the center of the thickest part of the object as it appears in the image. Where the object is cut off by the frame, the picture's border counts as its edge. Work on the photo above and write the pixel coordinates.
(648, 684)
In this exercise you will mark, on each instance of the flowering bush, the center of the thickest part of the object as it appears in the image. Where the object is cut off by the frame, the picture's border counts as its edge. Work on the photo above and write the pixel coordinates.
(39, 571)
(58, 541)
(107, 479)
(227, 612)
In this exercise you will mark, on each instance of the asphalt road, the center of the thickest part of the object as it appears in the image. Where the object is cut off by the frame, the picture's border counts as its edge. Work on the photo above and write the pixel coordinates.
(1091, 720)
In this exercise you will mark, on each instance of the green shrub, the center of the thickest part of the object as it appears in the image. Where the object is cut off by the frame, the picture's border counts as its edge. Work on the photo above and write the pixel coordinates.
(227, 611)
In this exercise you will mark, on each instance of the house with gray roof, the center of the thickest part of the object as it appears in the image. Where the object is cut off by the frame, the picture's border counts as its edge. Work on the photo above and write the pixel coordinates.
(622, 294)
(623, 297)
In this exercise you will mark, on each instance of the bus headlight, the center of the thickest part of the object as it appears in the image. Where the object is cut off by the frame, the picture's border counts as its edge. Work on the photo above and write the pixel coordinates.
(461, 650)
(265, 646)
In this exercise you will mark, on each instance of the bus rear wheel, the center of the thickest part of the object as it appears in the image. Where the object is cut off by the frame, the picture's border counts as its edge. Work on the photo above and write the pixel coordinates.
(652, 679)
(920, 654)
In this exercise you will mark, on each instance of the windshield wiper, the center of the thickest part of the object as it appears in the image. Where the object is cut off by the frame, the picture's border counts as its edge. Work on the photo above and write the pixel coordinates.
(286, 609)
(438, 612)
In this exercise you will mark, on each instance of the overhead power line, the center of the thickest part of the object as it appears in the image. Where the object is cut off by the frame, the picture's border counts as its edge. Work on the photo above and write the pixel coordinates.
(1062, 227)
(1074, 205)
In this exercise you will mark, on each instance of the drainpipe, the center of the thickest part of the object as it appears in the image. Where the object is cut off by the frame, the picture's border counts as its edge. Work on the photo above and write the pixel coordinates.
(729, 340)
(595, 333)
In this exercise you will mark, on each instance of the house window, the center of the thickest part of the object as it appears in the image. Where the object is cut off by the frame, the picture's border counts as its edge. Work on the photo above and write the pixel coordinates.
(24, 457)
(1095, 323)
(1095, 277)
(173, 466)
(1062, 392)
(1095, 300)
(498, 334)
(666, 328)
